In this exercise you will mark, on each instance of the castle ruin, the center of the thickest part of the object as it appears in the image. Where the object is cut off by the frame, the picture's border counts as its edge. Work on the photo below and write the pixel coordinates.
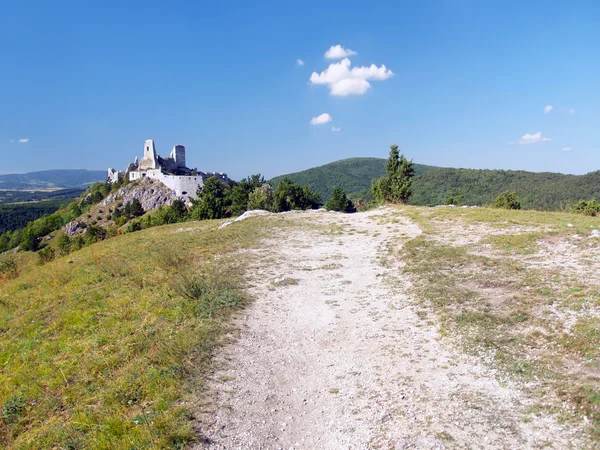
(171, 171)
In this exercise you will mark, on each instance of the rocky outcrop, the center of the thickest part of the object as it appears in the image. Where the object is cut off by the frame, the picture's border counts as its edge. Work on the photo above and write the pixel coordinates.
(73, 228)
(149, 192)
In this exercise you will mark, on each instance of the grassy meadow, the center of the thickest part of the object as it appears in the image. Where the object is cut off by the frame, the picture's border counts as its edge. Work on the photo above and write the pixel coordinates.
(96, 347)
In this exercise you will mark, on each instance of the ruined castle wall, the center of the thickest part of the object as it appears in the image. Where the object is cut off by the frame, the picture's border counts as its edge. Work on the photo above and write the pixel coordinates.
(184, 186)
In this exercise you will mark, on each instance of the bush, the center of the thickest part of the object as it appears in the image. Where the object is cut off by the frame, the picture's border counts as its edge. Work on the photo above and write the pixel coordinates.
(210, 297)
(339, 202)
(261, 198)
(289, 195)
(46, 254)
(134, 226)
(64, 245)
(507, 200)
(587, 208)
(94, 233)
(8, 268)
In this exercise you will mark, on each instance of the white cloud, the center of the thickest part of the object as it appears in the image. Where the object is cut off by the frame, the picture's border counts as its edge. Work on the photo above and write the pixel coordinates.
(320, 120)
(342, 80)
(338, 52)
(300, 62)
(23, 141)
(572, 111)
(533, 138)
(548, 108)
(335, 129)
(567, 149)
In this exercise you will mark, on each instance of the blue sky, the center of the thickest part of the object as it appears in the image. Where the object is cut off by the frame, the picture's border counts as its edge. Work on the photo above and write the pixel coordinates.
(465, 83)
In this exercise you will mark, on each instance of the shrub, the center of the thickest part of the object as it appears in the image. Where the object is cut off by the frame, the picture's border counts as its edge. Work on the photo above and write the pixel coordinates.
(507, 200)
(136, 225)
(261, 198)
(64, 245)
(587, 208)
(77, 243)
(289, 195)
(210, 297)
(94, 233)
(8, 268)
(339, 202)
(46, 254)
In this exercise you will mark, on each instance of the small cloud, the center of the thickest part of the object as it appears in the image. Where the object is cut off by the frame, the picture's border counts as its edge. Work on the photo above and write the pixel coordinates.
(320, 120)
(336, 129)
(343, 80)
(567, 149)
(548, 108)
(12, 140)
(572, 111)
(339, 52)
(23, 141)
(299, 62)
(533, 138)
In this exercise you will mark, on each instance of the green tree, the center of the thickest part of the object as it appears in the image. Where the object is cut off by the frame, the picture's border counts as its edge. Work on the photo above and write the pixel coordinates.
(240, 193)
(213, 200)
(28, 241)
(339, 202)
(507, 200)
(289, 195)
(395, 187)
(136, 208)
(176, 212)
(261, 198)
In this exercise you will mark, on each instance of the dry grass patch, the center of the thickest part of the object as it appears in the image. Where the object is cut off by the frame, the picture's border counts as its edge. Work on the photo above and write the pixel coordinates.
(536, 323)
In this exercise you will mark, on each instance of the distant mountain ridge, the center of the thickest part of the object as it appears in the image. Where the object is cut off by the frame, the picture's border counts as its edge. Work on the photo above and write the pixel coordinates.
(544, 191)
(435, 185)
(51, 179)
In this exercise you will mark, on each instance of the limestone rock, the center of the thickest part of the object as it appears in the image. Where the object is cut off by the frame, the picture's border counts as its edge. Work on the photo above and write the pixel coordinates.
(72, 227)
(150, 193)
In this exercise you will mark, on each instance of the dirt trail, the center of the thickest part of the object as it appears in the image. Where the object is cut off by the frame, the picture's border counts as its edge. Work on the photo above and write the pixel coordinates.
(333, 355)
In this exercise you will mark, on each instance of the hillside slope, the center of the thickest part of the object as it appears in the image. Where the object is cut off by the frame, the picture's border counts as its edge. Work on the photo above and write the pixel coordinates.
(51, 179)
(352, 174)
(434, 185)
(541, 191)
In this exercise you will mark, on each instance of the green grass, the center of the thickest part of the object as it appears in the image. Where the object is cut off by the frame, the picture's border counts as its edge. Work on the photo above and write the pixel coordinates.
(96, 347)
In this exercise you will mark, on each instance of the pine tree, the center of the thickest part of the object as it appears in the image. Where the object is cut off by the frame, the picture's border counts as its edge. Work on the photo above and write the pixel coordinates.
(395, 187)
(339, 202)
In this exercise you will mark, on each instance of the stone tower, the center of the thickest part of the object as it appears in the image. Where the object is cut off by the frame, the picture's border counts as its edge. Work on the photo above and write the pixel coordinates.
(149, 161)
(178, 155)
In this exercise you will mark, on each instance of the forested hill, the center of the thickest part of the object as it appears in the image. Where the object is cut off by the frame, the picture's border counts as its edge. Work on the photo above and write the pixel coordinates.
(51, 179)
(434, 185)
(541, 191)
(354, 175)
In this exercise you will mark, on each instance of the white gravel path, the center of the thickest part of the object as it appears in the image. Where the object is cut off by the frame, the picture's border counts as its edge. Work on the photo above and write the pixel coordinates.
(332, 355)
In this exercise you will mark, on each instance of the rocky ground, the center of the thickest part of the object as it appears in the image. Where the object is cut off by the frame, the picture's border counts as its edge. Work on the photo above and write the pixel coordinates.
(333, 354)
